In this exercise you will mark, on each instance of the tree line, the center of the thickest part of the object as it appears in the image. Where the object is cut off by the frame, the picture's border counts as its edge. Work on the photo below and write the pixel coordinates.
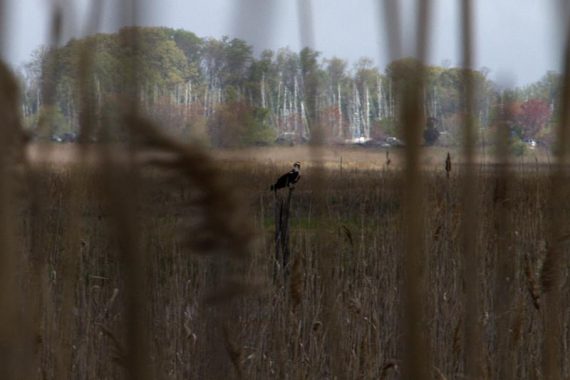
(219, 91)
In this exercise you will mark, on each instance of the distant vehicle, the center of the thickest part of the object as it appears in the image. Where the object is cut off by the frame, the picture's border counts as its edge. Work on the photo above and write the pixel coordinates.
(67, 137)
(394, 141)
(357, 140)
(375, 143)
(531, 143)
(290, 138)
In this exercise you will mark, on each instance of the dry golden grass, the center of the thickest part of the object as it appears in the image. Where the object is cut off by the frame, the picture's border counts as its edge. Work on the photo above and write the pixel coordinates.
(135, 260)
(334, 158)
(277, 330)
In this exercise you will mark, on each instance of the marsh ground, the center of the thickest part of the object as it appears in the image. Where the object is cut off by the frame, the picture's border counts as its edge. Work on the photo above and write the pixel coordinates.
(338, 312)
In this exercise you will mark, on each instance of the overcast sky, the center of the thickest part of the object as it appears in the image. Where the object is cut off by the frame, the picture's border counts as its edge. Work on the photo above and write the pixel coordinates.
(518, 40)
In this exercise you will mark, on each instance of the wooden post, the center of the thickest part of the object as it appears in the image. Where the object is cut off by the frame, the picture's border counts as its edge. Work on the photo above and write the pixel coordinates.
(282, 252)
(448, 165)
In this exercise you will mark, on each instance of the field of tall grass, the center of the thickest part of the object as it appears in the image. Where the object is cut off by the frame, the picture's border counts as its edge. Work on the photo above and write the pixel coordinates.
(156, 259)
(204, 308)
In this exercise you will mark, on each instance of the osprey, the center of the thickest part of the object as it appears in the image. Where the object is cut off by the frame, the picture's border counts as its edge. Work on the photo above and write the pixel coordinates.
(288, 179)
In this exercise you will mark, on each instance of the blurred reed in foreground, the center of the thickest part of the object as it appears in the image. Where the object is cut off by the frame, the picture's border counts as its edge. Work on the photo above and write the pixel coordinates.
(154, 259)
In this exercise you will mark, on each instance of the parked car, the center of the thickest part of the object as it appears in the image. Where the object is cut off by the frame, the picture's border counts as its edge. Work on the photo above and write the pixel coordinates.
(67, 137)
(531, 143)
(394, 141)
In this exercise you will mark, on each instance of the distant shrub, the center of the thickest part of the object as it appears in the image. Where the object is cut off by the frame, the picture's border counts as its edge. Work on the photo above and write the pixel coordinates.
(518, 147)
(259, 131)
(49, 121)
(236, 124)
(197, 131)
(389, 127)
(431, 133)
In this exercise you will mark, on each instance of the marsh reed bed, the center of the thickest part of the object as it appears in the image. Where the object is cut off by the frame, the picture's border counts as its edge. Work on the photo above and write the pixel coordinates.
(266, 327)
(157, 263)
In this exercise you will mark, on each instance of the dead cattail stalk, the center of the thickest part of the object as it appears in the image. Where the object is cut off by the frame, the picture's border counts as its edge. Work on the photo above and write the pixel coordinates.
(391, 365)
(119, 353)
(533, 285)
(457, 346)
(549, 271)
(234, 352)
(296, 285)
(348, 235)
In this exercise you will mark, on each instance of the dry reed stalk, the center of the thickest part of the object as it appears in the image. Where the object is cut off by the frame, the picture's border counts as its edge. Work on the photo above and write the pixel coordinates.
(505, 260)
(37, 278)
(122, 199)
(13, 335)
(325, 262)
(416, 355)
(551, 352)
(327, 266)
(458, 345)
(38, 281)
(72, 221)
(533, 285)
(218, 233)
(504, 361)
(38, 274)
(119, 353)
(221, 234)
(391, 12)
(549, 275)
(516, 330)
(8, 309)
(68, 273)
(391, 365)
(296, 284)
(3, 28)
(234, 352)
(122, 191)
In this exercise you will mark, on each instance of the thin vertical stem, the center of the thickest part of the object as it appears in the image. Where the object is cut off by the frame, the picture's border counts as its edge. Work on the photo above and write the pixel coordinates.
(391, 11)
(325, 262)
(122, 180)
(470, 269)
(416, 358)
(551, 271)
(505, 259)
(10, 322)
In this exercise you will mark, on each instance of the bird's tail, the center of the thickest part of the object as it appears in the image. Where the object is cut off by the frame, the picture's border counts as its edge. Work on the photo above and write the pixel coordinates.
(272, 187)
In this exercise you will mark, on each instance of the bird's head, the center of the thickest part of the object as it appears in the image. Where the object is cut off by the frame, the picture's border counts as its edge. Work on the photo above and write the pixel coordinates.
(297, 165)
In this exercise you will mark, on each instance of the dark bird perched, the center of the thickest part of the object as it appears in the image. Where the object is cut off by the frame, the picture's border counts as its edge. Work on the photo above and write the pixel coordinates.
(288, 179)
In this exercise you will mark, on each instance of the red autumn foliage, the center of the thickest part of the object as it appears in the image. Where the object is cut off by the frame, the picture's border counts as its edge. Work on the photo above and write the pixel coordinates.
(533, 116)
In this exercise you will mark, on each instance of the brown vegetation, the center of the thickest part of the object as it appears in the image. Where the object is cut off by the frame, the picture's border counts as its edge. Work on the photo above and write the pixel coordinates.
(197, 327)
(149, 259)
